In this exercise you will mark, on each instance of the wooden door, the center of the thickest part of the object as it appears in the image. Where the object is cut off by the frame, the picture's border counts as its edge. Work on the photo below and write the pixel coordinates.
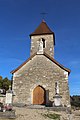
(39, 96)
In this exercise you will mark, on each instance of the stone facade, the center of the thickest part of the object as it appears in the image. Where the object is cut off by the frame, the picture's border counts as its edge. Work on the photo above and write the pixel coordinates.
(41, 70)
(49, 44)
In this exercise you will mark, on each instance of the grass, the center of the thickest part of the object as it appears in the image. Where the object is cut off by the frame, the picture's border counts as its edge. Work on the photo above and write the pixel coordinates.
(52, 116)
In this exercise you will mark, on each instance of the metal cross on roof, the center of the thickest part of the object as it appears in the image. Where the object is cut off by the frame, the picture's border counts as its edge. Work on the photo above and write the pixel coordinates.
(43, 15)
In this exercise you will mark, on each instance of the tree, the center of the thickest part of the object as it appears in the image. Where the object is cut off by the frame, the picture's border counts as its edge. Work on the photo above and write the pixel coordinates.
(1, 81)
(6, 83)
(1, 78)
(75, 100)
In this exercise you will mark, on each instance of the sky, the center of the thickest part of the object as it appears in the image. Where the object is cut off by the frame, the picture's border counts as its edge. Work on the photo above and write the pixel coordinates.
(19, 18)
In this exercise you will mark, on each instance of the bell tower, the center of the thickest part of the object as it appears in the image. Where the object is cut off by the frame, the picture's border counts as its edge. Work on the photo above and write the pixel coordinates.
(42, 40)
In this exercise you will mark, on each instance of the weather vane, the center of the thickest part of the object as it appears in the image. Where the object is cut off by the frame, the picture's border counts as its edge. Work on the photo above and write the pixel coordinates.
(43, 15)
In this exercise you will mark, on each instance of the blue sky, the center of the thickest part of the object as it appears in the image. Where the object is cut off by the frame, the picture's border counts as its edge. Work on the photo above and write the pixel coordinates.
(19, 18)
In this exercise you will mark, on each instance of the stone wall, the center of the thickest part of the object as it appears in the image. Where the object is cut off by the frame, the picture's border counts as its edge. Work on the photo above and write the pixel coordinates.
(40, 71)
(49, 44)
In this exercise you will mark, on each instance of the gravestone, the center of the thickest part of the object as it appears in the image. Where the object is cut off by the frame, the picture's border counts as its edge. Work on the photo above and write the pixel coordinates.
(9, 96)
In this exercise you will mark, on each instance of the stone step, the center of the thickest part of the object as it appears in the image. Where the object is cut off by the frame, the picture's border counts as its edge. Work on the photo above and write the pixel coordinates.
(8, 114)
(36, 106)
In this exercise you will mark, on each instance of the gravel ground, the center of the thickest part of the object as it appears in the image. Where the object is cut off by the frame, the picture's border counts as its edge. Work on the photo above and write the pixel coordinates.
(37, 114)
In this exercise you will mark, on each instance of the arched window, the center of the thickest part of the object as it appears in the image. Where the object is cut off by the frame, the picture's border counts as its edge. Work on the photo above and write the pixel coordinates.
(43, 42)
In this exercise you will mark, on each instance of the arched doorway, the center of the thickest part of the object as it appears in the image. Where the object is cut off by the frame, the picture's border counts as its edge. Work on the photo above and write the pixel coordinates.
(39, 96)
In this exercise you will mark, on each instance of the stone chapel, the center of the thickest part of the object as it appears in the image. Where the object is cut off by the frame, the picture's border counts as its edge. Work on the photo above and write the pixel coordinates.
(41, 79)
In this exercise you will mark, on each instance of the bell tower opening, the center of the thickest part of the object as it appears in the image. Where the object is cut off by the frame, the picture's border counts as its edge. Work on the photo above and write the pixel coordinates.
(41, 46)
(43, 40)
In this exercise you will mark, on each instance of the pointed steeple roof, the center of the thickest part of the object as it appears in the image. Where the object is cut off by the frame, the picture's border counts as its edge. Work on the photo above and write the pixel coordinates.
(42, 29)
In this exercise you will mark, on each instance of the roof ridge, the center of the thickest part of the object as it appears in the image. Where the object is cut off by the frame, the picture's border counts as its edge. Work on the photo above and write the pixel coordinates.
(45, 54)
(51, 58)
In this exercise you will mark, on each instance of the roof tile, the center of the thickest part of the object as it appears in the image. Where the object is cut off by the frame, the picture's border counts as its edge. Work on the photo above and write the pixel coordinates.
(42, 29)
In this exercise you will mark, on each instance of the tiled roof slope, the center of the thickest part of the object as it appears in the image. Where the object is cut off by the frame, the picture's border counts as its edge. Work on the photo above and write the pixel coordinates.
(46, 55)
(42, 29)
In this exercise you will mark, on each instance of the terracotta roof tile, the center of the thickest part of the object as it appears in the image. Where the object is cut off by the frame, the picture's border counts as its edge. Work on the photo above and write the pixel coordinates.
(42, 29)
